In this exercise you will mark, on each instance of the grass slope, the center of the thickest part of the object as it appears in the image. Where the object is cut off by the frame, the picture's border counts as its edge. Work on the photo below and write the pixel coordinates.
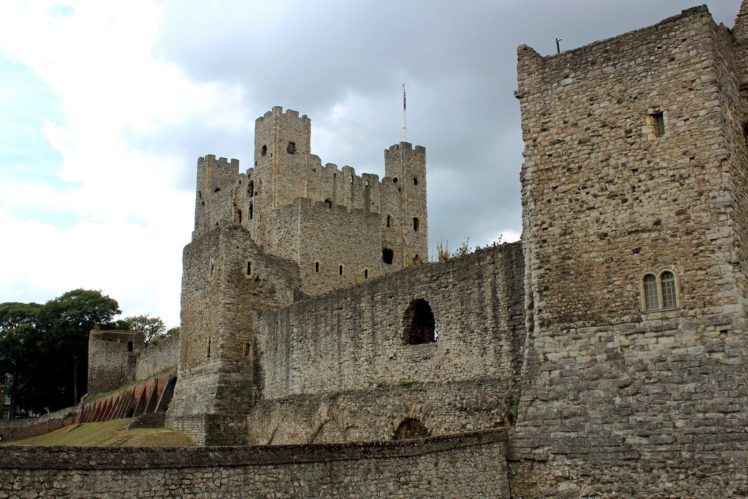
(112, 433)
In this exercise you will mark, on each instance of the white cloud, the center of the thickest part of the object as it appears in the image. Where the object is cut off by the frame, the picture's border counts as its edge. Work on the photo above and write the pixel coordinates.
(131, 223)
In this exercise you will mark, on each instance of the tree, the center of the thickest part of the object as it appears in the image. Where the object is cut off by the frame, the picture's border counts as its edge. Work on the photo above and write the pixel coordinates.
(44, 348)
(66, 322)
(18, 348)
(152, 327)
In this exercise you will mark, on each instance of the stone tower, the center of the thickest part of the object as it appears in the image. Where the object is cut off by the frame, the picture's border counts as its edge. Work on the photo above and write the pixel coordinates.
(286, 228)
(635, 224)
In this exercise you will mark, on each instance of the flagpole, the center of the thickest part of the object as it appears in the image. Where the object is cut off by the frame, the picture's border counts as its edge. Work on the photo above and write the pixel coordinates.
(405, 120)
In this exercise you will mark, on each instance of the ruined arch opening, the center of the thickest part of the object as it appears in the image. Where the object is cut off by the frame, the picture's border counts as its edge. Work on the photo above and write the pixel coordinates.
(411, 428)
(419, 326)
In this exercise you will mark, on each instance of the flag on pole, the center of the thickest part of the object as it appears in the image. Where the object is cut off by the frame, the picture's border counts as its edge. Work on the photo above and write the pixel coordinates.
(404, 106)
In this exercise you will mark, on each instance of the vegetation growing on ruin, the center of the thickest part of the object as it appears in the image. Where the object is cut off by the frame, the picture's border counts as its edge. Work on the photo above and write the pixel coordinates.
(114, 433)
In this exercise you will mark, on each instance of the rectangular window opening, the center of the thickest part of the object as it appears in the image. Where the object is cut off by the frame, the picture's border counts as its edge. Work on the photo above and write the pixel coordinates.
(657, 120)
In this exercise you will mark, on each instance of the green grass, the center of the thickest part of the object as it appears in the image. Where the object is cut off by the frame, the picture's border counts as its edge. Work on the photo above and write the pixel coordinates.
(112, 433)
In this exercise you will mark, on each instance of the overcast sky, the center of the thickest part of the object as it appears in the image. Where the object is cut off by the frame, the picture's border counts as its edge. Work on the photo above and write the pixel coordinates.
(105, 107)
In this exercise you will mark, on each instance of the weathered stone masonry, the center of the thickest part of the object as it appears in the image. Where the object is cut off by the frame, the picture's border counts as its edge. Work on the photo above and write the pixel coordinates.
(610, 343)
(607, 199)
(455, 466)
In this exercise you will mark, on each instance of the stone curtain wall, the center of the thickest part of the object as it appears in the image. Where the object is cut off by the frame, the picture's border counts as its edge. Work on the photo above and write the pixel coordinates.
(350, 343)
(655, 401)
(469, 465)
(352, 338)
(158, 357)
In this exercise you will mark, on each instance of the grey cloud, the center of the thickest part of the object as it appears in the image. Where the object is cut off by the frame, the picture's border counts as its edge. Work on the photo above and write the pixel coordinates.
(458, 59)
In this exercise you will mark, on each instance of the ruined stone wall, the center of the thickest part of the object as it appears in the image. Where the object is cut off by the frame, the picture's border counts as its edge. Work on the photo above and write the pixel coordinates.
(459, 466)
(112, 359)
(352, 340)
(609, 381)
(226, 280)
(157, 357)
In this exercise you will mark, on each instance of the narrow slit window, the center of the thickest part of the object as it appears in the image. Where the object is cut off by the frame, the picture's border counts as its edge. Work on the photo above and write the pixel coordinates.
(389, 220)
(316, 266)
(667, 284)
(251, 189)
(249, 268)
(658, 123)
(208, 348)
(366, 273)
(650, 293)
(340, 270)
(238, 216)
(251, 211)
(416, 224)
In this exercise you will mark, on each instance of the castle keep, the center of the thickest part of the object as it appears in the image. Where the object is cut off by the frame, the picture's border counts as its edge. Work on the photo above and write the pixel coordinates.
(604, 355)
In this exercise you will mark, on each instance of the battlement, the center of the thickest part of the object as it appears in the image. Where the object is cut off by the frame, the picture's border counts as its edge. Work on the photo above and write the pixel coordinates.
(277, 111)
(210, 160)
(405, 146)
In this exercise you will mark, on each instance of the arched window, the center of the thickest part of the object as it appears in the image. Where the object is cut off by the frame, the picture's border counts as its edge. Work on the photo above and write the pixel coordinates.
(650, 293)
(328, 203)
(659, 292)
(418, 323)
(411, 428)
(667, 285)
